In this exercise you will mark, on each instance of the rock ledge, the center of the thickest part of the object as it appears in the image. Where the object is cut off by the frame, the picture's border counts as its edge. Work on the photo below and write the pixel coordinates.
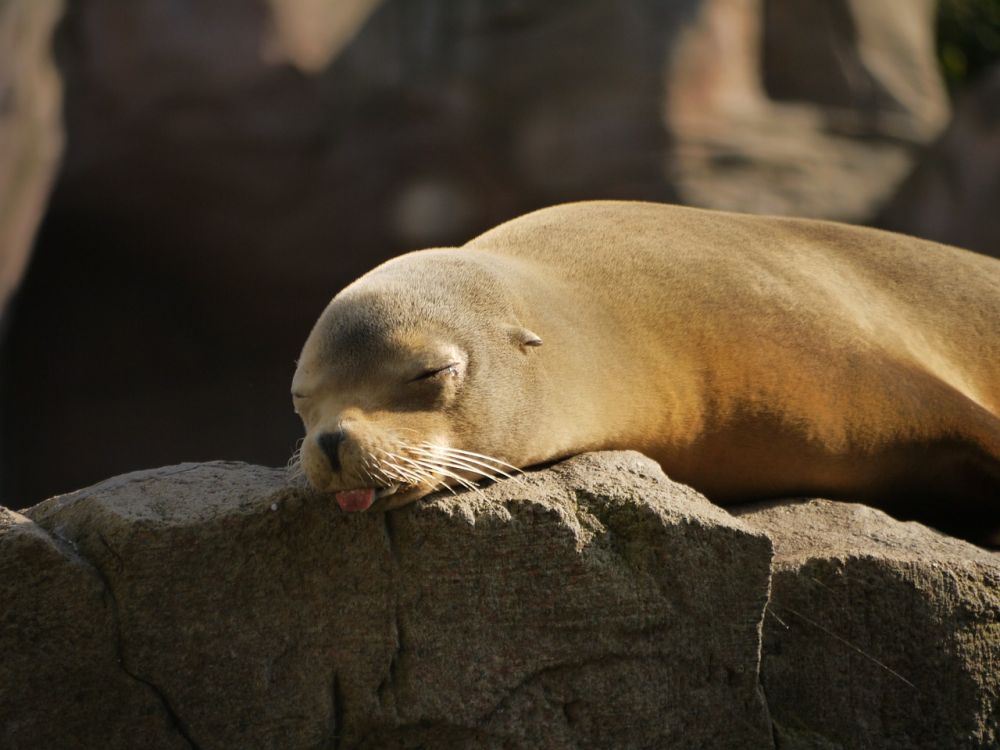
(592, 604)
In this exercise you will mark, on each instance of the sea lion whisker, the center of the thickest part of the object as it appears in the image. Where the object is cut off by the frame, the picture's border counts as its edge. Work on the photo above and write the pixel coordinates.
(451, 466)
(298, 447)
(375, 473)
(441, 484)
(409, 475)
(461, 467)
(480, 458)
(467, 463)
(423, 472)
(392, 471)
(473, 454)
(294, 464)
(440, 469)
(370, 470)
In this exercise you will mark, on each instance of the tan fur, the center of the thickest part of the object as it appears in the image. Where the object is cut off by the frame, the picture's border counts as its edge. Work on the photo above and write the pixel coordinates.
(751, 356)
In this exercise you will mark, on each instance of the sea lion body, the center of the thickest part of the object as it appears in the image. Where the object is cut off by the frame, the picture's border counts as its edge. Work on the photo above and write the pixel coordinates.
(752, 357)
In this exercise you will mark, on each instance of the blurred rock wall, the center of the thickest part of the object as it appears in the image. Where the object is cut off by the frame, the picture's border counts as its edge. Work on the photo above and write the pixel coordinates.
(30, 129)
(954, 193)
(231, 165)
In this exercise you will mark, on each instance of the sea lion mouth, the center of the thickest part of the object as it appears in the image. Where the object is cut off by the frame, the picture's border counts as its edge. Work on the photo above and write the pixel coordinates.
(413, 471)
(352, 501)
(386, 491)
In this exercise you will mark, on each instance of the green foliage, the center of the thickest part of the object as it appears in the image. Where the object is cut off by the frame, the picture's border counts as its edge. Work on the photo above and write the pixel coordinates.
(968, 38)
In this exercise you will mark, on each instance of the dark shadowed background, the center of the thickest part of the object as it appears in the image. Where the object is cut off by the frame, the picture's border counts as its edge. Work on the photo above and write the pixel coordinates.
(192, 181)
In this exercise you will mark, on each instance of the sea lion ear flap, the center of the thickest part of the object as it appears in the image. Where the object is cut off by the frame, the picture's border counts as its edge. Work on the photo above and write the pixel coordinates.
(524, 338)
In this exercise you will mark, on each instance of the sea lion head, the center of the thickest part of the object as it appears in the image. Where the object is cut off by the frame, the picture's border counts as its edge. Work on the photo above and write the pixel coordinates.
(414, 379)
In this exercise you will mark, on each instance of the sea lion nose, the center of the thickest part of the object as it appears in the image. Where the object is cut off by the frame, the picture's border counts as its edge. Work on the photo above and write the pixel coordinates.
(329, 443)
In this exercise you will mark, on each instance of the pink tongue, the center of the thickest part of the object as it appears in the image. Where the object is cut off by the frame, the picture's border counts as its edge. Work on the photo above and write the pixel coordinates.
(353, 500)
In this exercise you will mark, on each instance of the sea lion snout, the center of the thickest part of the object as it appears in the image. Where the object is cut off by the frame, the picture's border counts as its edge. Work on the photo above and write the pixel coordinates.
(329, 443)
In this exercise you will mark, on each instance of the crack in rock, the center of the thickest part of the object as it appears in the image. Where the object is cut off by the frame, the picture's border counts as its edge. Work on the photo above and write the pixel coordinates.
(336, 730)
(174, 720)
(397, 627)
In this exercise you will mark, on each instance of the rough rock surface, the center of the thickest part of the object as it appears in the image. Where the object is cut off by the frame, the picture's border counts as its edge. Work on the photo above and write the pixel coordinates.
(879, 633)
(62, 679)
(592, 604)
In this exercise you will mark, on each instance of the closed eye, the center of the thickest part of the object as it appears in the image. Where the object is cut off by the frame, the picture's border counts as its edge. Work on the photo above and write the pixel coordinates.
(437, 372)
